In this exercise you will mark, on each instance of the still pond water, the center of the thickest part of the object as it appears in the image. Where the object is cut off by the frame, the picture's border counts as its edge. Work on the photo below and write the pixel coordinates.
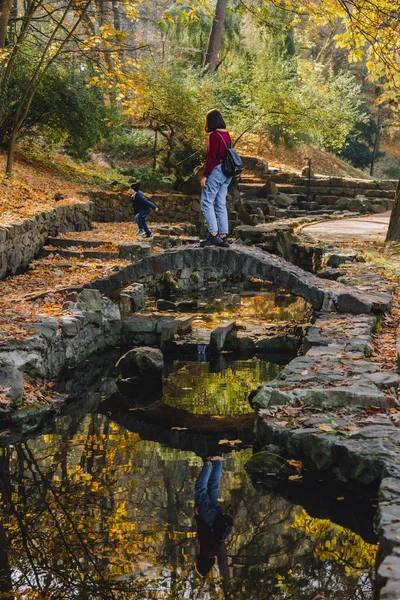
(100, 505)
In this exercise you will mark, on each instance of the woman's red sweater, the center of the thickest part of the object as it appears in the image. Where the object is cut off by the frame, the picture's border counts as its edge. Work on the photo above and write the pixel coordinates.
(215, 150)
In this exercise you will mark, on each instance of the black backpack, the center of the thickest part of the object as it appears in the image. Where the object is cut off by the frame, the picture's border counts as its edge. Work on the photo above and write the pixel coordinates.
(231, 163)
(222, 527)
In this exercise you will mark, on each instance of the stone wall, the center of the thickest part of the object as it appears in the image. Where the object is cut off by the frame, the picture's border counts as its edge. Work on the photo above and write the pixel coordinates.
(22, 240)
(328, 396)
(94, 323)
(173, 208)
(329, 194)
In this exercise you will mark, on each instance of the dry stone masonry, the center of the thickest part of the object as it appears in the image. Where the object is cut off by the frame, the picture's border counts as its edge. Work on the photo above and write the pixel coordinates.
(22, 240)
(173, 208)
(269, 195)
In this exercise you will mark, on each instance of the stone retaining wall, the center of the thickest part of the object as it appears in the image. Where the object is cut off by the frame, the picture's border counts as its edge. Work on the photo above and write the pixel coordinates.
(318, 411)
(21, 241)
(173, 208)
(94, 323)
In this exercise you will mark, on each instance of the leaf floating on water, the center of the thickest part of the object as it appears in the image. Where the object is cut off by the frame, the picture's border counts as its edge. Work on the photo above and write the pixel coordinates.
(230, 442)
(340, 498)
(297, 464)
(295, 477)
(178, 428)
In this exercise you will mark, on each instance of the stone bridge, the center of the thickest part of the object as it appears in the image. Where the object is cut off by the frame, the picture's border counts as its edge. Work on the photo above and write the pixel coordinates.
(244, 262)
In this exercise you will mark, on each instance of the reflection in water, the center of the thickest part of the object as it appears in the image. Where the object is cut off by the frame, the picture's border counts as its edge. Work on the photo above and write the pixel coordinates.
(213, 526)
(93, 511)
(251, 308)
(215, 388)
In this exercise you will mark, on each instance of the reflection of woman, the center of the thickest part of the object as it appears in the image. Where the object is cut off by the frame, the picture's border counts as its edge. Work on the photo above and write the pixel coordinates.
(214, 182)
(213, 527)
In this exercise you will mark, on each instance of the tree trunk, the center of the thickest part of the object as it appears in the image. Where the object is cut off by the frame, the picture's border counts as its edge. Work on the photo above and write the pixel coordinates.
(155, 150)
(214, 42)
(377, 139)
(11, 152)
(117, 16)
(5, 11)
(393, 234)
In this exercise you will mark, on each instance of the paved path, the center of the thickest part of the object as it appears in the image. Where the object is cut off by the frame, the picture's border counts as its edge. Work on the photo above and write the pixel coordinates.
(368, 228)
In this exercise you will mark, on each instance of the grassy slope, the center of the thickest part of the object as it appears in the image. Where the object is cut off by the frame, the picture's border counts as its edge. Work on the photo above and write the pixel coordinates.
(37, 179)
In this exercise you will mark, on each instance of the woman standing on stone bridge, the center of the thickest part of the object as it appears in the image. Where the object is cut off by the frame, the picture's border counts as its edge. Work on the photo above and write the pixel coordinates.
(214, 182)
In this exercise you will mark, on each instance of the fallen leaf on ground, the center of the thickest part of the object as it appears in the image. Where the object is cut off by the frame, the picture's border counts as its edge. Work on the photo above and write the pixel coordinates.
(325, 427)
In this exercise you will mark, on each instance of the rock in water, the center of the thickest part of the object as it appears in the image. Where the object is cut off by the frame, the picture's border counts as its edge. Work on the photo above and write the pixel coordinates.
(144, 361)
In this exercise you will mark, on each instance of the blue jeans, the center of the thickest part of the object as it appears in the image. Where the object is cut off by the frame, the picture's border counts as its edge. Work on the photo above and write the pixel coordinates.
(141, 219)
(213, 201)
(206, 492)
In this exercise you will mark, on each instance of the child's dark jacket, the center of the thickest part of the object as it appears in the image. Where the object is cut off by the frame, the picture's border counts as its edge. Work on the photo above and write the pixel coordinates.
(140, 202)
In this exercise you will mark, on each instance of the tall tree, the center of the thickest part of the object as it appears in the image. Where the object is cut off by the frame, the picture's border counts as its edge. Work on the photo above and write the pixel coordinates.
(214, 43)
(393, 234)
(5, 12)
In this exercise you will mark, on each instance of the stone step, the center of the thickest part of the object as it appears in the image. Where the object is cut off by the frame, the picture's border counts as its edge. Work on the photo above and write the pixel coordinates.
(153, 329)
(251, 179)
(194, 345)
(168, 241)
(60, 242)
(321, 192)
(134, 251)
(48, 250)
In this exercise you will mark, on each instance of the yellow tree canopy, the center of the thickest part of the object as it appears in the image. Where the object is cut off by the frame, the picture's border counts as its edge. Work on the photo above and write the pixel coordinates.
(369, 30)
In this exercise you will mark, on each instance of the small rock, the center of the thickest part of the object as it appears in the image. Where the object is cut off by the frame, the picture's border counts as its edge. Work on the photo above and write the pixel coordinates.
(166, 305)
(11, 385)
(133, 298)
(284, 200)
(72, 297)
(219, 335)
(92, 299)
(144, 361)
(187, 305)
(69, 326)
(337, 259)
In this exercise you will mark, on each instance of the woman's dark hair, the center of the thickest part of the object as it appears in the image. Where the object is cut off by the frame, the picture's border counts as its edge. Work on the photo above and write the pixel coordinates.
(204, 565)
(214, 121)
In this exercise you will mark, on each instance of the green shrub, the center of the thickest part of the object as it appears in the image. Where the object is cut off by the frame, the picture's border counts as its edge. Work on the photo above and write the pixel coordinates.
(150, 180)
(64, 110)
(392, 172)
(356, 152)
(130, 143)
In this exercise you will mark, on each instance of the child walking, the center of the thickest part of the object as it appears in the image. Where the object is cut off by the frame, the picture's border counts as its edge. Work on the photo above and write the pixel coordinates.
(142, 207)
